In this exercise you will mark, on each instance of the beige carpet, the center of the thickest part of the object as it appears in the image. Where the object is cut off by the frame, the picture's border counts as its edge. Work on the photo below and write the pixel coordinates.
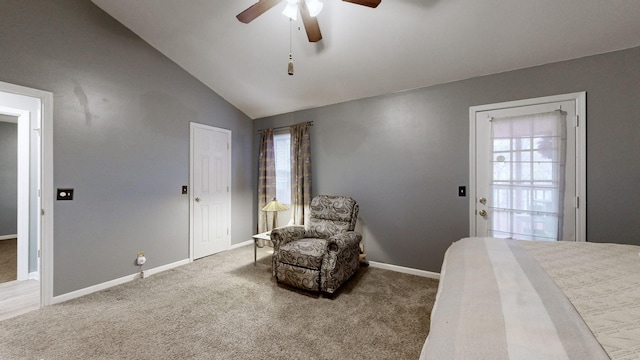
(224, 307)
(8, 260)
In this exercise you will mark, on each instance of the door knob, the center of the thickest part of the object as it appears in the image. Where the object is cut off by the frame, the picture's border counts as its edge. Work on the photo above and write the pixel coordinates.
(197, 199)
(482, 213)
(483, 201)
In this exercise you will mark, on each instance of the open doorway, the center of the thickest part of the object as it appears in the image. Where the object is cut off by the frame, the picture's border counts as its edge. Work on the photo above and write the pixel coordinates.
(9, 199)
(31, 111)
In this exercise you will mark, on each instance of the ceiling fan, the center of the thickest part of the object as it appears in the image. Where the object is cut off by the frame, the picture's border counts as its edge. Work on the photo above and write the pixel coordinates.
(308, 9)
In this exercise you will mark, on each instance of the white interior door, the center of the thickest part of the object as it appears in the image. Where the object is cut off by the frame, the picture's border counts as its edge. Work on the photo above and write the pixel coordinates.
(210, 190)
(515, 180)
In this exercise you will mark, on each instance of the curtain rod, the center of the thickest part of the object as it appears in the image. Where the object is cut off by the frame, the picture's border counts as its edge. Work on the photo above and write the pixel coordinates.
(286, 127)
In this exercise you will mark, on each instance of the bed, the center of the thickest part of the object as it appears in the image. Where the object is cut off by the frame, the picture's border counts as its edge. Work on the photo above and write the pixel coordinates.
(510, 299)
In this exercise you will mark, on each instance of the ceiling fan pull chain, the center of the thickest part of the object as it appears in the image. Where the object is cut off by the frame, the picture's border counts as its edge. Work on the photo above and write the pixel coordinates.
(290, 65)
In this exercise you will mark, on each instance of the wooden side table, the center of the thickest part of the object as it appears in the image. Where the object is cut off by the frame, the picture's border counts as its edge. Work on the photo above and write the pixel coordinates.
(264, 238)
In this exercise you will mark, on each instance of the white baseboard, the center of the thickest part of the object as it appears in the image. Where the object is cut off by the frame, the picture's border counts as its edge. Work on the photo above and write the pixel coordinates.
(34, 276)
(405, 270)
(162, 268)
(114, 282)
(7, 237)
(244, 243)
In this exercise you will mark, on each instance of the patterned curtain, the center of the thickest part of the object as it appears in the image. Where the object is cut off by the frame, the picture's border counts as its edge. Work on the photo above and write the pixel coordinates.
(300, 172)
(266, 177)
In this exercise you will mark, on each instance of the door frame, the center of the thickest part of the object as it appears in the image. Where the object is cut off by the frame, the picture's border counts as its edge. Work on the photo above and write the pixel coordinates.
(45, 182)
(581, 154)
(192, 127)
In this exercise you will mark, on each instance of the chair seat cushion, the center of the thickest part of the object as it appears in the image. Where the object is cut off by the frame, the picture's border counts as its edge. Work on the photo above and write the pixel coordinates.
(297, 276)
(307, 253)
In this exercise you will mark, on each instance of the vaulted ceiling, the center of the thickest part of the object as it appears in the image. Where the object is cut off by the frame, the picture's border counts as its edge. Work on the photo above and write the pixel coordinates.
(400, 45)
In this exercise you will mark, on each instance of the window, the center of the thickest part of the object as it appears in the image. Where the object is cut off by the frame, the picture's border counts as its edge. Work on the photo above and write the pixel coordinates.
(528, 161)
(282, 152)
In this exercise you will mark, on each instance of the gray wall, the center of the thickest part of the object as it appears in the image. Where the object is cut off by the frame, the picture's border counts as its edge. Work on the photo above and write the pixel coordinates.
(403, 156)
(121, 138)
(8, 178)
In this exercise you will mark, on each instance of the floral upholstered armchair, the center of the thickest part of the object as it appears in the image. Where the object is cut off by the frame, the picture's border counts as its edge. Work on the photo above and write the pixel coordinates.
(323, 254)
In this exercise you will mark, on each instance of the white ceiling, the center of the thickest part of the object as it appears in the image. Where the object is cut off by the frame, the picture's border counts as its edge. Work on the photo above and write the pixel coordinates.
(401, 45)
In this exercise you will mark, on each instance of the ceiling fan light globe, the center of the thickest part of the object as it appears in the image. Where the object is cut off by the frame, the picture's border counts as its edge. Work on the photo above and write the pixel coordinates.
(291, 10)
(314, 6)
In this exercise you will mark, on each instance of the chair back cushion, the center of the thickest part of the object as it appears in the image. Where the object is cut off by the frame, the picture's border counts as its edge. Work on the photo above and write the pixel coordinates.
(331, 215)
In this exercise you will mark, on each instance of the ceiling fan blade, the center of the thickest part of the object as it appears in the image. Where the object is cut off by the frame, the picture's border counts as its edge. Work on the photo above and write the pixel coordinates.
(369, 3)
(256, 10)
(310, 23)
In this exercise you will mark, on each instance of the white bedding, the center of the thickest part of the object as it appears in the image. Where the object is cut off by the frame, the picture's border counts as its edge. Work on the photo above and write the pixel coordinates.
(498, 299)
(603, 283)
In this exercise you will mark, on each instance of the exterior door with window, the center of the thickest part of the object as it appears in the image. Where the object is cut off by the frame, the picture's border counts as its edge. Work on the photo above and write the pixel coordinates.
(525, 170)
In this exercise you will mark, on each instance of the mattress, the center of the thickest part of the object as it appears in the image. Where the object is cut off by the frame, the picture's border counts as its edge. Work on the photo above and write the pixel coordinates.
(507, 299)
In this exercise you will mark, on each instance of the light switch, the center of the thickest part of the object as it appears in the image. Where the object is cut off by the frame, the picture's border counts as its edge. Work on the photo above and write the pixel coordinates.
(64, 194)
(462, 191)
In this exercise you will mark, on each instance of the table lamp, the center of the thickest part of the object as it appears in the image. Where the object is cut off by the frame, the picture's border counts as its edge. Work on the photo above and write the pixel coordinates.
(274, 206)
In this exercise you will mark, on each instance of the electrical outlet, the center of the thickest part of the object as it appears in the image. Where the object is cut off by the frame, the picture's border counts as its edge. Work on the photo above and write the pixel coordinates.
(140, 260)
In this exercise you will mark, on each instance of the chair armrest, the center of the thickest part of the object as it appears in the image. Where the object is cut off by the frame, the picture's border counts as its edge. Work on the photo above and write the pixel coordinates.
(340, 261)
(343, 241)
(283, 235)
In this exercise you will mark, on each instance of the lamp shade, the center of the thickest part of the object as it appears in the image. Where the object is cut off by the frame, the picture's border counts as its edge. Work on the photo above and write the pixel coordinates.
(274, 205)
